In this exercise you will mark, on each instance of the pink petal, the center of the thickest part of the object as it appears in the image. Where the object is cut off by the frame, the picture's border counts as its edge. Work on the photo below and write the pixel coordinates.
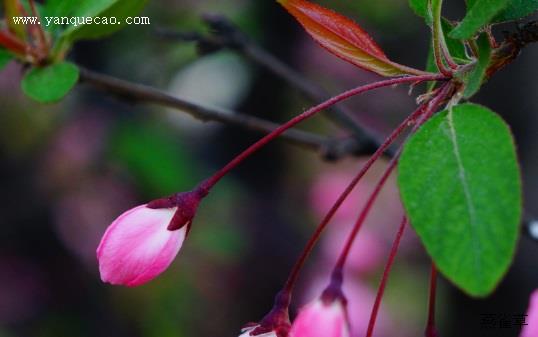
(367, 253)
(360, 299)
(137, 246)
(318, 319)
(531, 329)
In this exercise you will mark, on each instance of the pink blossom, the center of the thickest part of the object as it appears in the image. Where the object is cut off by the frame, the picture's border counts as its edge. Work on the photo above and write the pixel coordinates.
(531, 330)
(321, 319)
(360, 299)
(367, 253)
(328, 187)
(332, 182)
(137, 246)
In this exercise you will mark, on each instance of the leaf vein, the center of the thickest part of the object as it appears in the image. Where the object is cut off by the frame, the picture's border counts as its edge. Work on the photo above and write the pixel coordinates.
(466, 191)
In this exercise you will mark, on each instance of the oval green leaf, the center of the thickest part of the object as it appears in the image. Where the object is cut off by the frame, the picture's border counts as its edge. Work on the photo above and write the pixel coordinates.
(479, 15)
(120, 10)
(51, 83)
(516, 10)
(53, 9)
(477, 76)
(460, 184)
(420, 7)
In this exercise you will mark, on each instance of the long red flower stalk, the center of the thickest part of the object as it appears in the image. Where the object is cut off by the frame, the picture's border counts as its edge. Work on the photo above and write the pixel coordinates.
(338, 271)
(12, 43)
(209, 183)
(431, 330)
(343, 196)
(384, 279)
(432, 107)
(278, 315)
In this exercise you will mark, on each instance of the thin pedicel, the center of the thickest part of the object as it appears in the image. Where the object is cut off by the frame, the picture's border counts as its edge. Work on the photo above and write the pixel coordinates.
(334, 289)
(283, 298)
(445, 93)
(431, 330)
(384, 279)
(432, 107)
(279, 313)
(209, 183)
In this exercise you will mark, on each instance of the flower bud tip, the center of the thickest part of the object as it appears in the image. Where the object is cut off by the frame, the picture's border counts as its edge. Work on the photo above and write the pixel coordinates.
(137, 246)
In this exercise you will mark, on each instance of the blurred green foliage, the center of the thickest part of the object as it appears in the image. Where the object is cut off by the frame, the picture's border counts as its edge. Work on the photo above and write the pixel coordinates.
(154, 156)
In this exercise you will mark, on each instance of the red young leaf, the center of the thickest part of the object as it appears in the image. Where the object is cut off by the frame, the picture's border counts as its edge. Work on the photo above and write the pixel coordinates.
(12, 9)
(344, 38)
(11, 43)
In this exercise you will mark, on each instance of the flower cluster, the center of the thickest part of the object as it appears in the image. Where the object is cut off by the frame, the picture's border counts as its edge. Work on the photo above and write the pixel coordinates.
(141, 243)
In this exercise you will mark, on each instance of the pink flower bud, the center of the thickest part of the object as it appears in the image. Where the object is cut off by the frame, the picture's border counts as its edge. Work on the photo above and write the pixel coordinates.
(276, 323)
(321, 319)
(531, 329)
(137, 246)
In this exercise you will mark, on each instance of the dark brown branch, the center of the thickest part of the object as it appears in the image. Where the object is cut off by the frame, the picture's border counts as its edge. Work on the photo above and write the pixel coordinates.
(511, 46)
(330, 149)
(227, 35)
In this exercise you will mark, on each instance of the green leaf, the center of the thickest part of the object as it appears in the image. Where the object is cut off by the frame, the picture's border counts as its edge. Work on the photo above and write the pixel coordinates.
(456, 48)
(90, 8)
(154, 157)
(5, 58)
(480, 14)
(57, 9)
(72, 8)
(460, 184)
(63, 7)
(420, 7)
(470, 4)
(51, 83)
(516, 10)
(118, 9)
(477, 75)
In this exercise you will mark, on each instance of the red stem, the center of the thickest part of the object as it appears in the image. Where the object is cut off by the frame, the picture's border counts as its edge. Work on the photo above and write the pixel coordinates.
(384, 279)
(431, 331)
(491, 38)
(21, 9)
(208, 184)
(12, 43)
(338, 269)
(440, 50)
(321, 227)
(39, 30)
(440, 53)
(448, 58)
(283, 298)
(364, 213)
(432, 107)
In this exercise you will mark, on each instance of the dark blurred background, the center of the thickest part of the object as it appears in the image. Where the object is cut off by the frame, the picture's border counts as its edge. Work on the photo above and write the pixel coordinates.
(67, 170)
